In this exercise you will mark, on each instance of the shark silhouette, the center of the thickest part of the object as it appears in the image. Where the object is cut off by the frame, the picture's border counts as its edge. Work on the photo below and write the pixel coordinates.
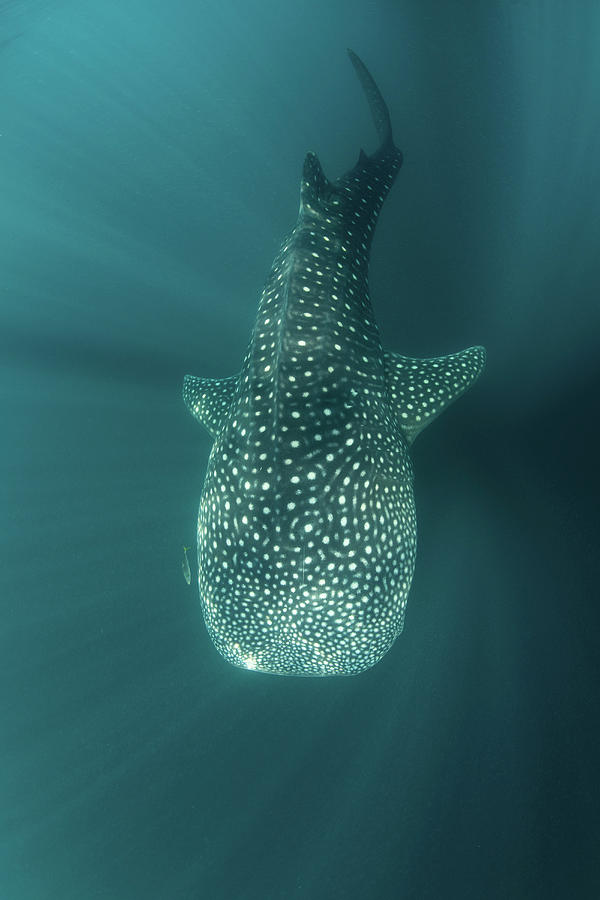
(306, 528)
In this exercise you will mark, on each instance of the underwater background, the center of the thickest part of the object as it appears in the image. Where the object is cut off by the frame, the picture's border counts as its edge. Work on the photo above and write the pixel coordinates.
(150, 160)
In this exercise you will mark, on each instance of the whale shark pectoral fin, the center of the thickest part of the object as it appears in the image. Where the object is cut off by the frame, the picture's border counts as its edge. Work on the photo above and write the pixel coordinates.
(421, 389)
(209, 399)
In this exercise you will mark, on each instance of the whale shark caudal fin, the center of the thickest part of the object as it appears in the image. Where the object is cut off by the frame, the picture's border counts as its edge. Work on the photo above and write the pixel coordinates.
(377, 105)
(421, 389)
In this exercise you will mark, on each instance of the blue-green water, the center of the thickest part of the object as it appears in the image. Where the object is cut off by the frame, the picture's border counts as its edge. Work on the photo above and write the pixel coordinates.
(150, 158)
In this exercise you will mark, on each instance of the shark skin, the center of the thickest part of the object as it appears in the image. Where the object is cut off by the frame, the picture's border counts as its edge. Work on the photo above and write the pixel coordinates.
(306, 529)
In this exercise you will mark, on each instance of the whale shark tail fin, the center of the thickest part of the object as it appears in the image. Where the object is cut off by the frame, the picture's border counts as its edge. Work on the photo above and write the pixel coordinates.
(377, 105)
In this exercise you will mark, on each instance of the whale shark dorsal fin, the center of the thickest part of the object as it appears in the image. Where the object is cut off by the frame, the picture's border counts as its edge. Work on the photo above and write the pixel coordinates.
(209, 399)
(314, 187)
(421, 389)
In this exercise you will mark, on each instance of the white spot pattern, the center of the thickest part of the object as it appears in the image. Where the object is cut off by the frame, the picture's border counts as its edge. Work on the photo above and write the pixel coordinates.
(306, 527)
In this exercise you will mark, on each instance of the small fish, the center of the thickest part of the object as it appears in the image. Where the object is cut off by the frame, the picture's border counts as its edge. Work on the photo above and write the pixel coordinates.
(185, 566)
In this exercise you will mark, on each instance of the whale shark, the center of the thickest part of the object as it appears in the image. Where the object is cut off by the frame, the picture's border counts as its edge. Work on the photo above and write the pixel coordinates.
(307, 531)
